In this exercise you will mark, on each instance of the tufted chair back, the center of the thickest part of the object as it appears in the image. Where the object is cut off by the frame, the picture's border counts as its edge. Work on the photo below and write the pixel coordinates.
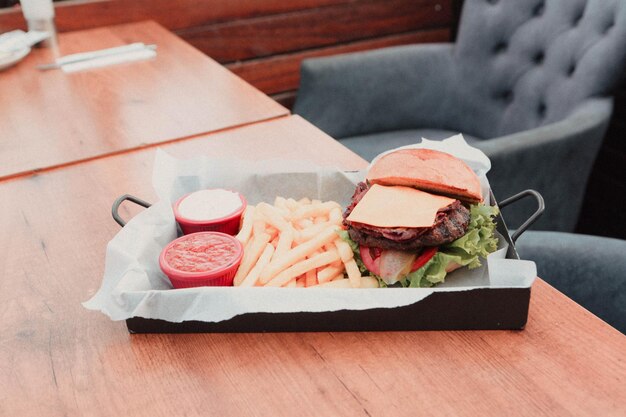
(524, 64)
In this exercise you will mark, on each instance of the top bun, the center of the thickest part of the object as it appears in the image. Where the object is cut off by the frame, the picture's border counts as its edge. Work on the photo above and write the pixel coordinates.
(427, 170)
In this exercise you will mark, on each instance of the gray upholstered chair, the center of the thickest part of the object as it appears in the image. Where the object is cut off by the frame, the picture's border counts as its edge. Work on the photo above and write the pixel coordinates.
(589, 269)
(528, 82)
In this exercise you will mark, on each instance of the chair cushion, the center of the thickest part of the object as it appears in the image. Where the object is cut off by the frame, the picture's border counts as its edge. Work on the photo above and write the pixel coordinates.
(524, 64)
(368, 146)
(591, 270)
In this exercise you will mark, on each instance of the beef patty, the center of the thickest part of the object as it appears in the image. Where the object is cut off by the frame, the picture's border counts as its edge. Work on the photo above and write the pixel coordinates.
(450, 224)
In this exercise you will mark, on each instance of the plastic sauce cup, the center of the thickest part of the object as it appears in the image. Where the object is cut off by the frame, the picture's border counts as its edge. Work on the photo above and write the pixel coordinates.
(201, 259)
(227, 221)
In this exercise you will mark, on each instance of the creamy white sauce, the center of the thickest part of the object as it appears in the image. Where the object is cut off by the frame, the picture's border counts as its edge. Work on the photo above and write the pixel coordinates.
(209, 204)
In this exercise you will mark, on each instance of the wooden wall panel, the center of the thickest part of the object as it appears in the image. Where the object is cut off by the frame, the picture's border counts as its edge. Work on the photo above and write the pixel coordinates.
(173, 14)
(260, 37)
(281, 73)
(264, 41)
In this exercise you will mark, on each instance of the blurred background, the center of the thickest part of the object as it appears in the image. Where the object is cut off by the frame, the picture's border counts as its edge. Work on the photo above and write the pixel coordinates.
(264, 42)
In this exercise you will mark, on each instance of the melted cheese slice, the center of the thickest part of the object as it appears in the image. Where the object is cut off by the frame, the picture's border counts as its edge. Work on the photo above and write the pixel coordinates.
(398, 206)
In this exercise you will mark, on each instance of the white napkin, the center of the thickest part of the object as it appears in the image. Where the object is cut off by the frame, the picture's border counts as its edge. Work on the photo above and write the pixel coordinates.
(16, 44)
(104, 61)
(17, 40)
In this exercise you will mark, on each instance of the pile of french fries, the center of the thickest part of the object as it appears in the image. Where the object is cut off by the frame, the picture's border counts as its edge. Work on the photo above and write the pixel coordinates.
(295, 244)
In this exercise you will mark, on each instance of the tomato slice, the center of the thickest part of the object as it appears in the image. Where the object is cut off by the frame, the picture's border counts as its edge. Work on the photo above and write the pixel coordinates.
(424, 257)
(371, 259)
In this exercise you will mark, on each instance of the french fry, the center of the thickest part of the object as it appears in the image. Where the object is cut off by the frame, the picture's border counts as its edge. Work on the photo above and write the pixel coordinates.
(272, 216)
(347, 257)
(338, 276)
(272, 232)
(258, 227)
(314, 210)
(296, 254)
(301, 281)
(283, 211)
(329, 247)
(335, 216)
(367, 282)
(253, 276)
(310, 232)
(285, 239)
(252, 253)
(280, 202)
(345, 251)
(311, 278)
(292, 204)
(333, 269)
(338, 264)
(328, 273)
(302, 267)
(354, 275)
(294, 243)
(303, 223)
(246, 225)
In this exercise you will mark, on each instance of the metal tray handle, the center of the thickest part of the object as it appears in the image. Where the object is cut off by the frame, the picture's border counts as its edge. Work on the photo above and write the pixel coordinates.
(117, 203)
(526, 193)
(533, 218)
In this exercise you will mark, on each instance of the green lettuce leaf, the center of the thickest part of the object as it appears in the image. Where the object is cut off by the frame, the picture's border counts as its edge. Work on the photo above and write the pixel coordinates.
(478, 242)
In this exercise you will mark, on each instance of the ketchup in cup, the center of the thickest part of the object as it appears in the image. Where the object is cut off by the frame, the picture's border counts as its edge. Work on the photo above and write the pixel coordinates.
(210, 210)
(201, 259)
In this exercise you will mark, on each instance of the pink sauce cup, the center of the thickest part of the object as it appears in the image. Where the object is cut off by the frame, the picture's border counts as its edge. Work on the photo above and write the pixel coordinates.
(201, 259)
(228, 223)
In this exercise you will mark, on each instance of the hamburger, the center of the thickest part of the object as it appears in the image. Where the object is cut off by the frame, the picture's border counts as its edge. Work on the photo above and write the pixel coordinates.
(418, 216)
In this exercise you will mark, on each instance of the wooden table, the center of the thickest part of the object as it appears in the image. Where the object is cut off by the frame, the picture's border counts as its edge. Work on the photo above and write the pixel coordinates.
(54, 118)
(56, 358)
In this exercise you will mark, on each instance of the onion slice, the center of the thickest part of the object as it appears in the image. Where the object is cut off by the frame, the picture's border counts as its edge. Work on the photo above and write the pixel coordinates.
(395, 264)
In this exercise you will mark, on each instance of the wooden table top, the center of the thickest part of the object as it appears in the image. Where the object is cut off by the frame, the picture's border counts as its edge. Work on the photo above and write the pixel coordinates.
(57, 358)
(53, 118)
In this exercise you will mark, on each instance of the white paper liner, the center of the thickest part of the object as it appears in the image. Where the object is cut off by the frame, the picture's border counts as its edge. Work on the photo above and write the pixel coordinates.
(134, 286)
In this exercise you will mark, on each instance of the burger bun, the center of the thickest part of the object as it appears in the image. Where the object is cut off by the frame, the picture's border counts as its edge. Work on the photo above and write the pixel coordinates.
(427, 170)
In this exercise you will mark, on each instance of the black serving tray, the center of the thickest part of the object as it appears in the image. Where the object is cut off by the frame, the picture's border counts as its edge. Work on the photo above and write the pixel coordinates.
(475, 309)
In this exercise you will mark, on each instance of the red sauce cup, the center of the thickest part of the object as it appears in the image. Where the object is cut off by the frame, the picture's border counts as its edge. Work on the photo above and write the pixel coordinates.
(201, 259)
(228, 224)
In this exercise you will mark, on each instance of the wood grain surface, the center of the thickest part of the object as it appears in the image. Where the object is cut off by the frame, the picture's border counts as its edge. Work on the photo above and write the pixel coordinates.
(56, 358)
(264, 36)
(281, 73)
(75, 15)
(53, 118)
